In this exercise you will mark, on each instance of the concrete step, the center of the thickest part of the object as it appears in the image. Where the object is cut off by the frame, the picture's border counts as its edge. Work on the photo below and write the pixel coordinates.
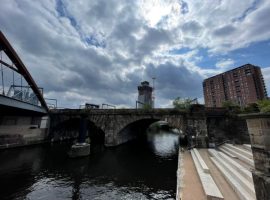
(247, 147)
(209, 186)
(238, 155)
(247, 185)
(242, 170)
(201, 161)
(226, 152)
(240, 150)
(213, 152)
(236, 186)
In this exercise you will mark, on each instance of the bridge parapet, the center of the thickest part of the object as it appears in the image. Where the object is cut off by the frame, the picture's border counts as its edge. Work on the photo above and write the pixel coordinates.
(157, 111)
(167, 111)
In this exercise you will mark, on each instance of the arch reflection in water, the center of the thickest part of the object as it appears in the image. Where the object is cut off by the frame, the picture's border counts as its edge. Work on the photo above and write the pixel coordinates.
(163, 143)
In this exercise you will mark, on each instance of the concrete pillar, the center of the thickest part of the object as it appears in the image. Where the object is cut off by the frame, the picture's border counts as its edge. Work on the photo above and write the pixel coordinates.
(81, 148)
(82, 130)
(109, 138)
(259, 132)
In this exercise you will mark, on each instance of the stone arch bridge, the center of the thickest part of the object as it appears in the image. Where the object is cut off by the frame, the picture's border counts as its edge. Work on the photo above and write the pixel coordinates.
(113, 122)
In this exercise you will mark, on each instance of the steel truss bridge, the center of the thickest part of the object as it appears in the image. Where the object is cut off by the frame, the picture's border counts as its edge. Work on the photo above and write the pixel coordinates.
(18, 89)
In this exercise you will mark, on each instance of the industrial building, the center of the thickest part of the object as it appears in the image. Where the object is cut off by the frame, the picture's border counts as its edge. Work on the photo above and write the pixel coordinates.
(242, 85)
(145, 94)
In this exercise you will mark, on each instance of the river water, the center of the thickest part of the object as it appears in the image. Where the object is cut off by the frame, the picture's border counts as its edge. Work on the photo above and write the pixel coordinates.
(140, 169)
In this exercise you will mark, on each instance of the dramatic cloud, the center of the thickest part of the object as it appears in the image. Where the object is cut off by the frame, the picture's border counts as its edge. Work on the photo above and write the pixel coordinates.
(225, 64)
(99, 51)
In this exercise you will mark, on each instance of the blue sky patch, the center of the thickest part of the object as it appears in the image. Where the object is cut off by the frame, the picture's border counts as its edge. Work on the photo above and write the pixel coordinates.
(180, 51)
(62, 12)
(256, 54)
(91, 40)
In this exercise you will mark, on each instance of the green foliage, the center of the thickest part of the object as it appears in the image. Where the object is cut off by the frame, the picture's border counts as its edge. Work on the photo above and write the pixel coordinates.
(261, 106)
(182, 103)
(229, 104)
(264, 105)
(251, 108)
(233, 107)
(147, 107)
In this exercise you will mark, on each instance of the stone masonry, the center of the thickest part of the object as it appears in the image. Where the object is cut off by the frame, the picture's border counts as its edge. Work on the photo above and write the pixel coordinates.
(259, 131)
(112, 122)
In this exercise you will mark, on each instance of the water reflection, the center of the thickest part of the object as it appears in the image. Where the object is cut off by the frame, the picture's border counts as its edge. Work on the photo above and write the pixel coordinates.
(163, 143)
(142, 169)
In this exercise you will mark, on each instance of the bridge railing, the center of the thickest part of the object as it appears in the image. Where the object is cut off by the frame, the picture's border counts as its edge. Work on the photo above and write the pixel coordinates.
(14, 73)
(13, 84)
(117, 111)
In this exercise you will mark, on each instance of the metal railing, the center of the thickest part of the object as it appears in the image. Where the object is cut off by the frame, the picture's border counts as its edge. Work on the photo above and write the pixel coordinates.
(23, 93)
(51, 105)
(107, 106)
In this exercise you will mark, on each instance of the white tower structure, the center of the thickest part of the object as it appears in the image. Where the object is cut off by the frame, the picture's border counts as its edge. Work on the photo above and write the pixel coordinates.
(145, 94)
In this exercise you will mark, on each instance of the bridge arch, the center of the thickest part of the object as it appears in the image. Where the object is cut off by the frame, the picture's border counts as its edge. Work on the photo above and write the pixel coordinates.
(130, 126)
(134, 129)
(69, 128)
(114, 123)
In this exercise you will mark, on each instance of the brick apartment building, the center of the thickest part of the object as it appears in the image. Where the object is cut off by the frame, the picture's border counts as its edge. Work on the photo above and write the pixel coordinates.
(242, 85)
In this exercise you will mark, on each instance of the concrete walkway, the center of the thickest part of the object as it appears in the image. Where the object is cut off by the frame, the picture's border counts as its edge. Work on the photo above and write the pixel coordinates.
(191, 185)
(191, 188)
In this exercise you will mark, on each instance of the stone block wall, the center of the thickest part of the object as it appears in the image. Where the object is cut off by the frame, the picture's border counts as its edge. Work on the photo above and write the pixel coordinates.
(262, 185)
(228, 128)
(259, 131)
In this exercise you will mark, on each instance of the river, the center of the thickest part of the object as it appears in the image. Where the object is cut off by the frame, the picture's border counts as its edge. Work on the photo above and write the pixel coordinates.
(140, 169)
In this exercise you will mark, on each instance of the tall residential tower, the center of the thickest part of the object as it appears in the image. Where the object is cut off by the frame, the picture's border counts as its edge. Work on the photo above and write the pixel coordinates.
(242, 85)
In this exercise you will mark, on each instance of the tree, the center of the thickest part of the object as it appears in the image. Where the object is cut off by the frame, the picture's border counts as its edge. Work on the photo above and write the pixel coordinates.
(147, 106)
(251, 108)
(182, 103)
(264, 105)
(229, 104)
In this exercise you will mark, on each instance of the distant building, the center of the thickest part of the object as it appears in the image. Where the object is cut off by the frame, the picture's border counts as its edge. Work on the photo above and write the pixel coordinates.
(242, 85)
(89, 106)
(145, 94)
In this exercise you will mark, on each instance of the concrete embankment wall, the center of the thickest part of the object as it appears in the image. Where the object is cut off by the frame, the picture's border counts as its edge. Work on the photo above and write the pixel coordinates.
(22, 130)
(179, 175)
(259, 131)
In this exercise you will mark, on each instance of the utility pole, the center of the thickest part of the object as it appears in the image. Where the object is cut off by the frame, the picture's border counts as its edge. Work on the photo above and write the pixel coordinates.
(153, 93)
(2, 73)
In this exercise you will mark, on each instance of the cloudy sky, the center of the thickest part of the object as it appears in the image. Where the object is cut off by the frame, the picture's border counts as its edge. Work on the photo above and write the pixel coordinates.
(99, 51)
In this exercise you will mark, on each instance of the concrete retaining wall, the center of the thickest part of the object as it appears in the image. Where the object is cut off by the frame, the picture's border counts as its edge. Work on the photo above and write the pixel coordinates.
(21, 131)
(259, 131)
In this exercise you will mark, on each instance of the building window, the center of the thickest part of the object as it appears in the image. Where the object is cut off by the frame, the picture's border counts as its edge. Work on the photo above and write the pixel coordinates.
(235, 74)
(247, 72)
